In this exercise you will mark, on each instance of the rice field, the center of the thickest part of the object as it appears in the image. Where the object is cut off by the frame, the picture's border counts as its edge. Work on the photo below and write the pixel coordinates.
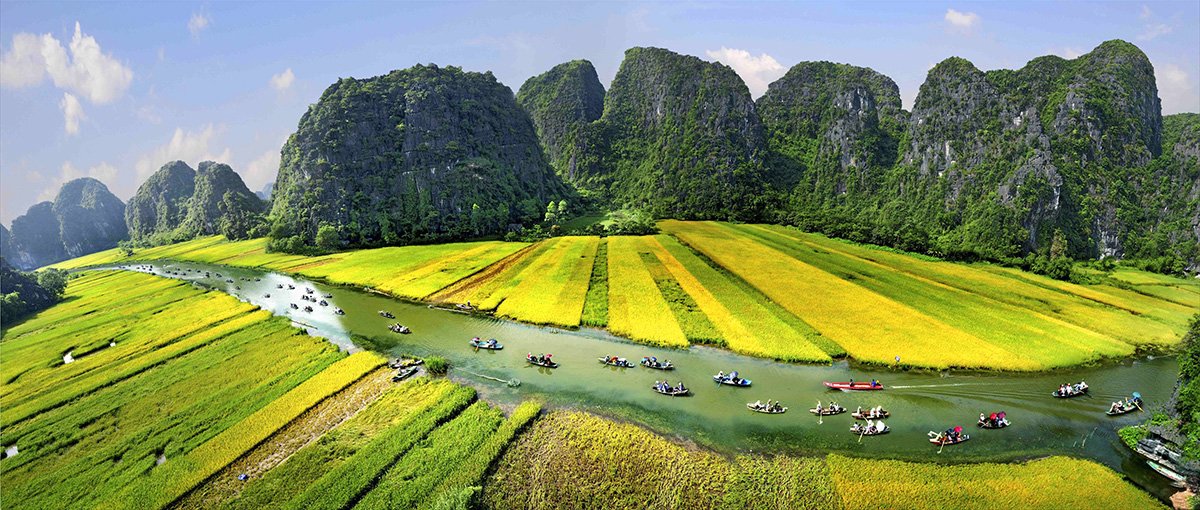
(869, 326)
(879, 304)
(139, 423)
(1051, 483)
(760, 290)
(636, 307)
(412, 272)
(553, 288)
(576, 460)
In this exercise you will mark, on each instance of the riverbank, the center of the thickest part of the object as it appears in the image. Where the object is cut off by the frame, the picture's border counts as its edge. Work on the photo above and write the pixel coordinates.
(762, 291)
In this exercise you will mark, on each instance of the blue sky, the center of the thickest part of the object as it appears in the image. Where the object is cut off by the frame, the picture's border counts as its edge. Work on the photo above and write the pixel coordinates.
(144, 83)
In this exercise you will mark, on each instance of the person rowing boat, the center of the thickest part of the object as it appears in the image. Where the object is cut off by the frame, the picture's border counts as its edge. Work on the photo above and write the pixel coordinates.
(872, 413)
(1068, 390)
(1126, 405)
(541, 360)
(993, 421)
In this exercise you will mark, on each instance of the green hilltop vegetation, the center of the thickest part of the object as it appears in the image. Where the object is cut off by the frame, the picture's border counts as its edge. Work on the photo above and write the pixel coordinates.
(418, 155)
(122, 425)
(177, 203)
(1035, 167)
(746, 288)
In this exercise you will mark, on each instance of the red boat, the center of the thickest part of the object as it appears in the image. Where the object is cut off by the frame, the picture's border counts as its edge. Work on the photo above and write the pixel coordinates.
(854, 386)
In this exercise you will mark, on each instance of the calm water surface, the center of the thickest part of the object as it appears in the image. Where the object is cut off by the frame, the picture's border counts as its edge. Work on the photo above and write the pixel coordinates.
(716, 416)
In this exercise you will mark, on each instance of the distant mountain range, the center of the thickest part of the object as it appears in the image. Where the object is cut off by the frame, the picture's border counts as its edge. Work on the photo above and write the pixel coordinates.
(1072, 155)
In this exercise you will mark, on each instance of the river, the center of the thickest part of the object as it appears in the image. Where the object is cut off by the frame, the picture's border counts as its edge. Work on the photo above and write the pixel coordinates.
(716, 416)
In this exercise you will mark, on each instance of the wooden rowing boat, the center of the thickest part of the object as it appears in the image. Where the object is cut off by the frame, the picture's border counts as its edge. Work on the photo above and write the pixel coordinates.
(856, 386)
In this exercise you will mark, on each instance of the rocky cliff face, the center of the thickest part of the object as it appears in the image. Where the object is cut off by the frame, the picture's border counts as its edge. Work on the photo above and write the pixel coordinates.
(833, 128)
(84, 218)
(563, 103)
(6, 247)
(35, 237)
(685, 138)
(991, 164)
(177, 203)
(418, 154)
(219, 192)
(160, 204)
(90, 217)
(1052, 141)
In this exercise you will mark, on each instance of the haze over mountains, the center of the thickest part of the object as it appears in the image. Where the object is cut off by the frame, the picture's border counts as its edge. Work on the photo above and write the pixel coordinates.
(987, 164)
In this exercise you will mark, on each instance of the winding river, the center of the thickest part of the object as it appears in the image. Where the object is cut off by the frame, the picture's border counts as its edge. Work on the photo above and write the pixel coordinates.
(716, 416)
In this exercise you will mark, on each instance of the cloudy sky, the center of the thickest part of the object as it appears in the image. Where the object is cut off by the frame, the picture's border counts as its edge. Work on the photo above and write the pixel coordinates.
(115, 90)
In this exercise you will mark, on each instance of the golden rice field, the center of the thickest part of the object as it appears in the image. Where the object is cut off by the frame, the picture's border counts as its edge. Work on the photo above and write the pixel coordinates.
(552, 289)
(766, 291)
(636, 308)
(577, 460)
(1051, 483)
(412, 272)
(879, 304)
(150, 408)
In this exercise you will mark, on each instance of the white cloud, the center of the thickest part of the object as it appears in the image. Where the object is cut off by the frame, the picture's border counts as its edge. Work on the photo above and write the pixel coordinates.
(162, 53)
(283, 81)
(262, 170)
(1146, 14)
(87, 71)
(1068, 52)
(198, 22)
(1176, 89)
(1154, 30)
(102, 172)
(189, 146)
(962, 22)
(72, 112)
(757, 72)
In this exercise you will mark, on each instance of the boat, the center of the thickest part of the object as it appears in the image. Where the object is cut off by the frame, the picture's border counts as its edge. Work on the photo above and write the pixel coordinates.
(404, 373)
(290, 286)
(614, 361)
(651, 362)
(1071, 390)
(1127, 405)
(295, 306)
(308, 290)
(828, 411)
(490, 344)
(323, 303)
(854, 386)
(384, 313)
(267, 296)
(942, 438)
(400, 328)
(870, 414)
(671, 392)
(993, 421)
(339, 311)
(731, 379)
(308, 309)
(541, 361)
(277, 285)
(760, 407)
(327, 296)
(1177, 479)
(870, 429)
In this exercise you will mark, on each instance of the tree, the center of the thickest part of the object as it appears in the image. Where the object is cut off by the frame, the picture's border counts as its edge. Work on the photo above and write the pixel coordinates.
(53, 280)
(126, 247)
(1058, 245)
(551, 213)
(327, 237)
(562, 209)
(11, 306)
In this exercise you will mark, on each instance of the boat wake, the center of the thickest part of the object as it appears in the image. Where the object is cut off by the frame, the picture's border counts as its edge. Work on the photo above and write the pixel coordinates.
(935, 385)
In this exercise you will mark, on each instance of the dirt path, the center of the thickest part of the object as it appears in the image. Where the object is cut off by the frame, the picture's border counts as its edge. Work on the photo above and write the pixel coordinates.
(307, 428)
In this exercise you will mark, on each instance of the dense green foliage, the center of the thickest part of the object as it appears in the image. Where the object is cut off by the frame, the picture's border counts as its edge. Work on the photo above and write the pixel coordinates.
(84, 218)
(563, 103)
(996, 164)
(421, 154)
(1188, 398)
(177, 204)
(25, 293)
